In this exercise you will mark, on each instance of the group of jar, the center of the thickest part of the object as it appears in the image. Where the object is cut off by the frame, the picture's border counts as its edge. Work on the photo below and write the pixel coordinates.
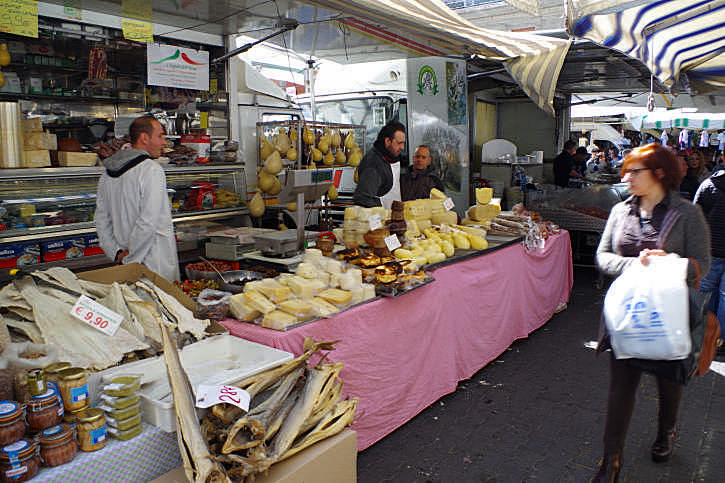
(52, 423)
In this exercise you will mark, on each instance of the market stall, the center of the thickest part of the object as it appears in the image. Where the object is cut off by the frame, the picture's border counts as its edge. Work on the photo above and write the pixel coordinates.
(402, 354)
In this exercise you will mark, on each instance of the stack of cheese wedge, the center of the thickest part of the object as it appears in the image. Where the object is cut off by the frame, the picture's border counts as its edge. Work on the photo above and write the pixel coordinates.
(320, 287)
(441, 242)
(486, 208)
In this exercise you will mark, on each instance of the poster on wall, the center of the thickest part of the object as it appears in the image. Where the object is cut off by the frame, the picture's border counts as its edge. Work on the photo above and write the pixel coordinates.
(172, 66)
(456, 90)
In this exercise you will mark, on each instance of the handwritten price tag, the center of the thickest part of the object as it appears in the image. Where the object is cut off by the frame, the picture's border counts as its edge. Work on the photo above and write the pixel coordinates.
(392, 242)
(375, 222)
(448, 204)
(207, 396)
(96, 315)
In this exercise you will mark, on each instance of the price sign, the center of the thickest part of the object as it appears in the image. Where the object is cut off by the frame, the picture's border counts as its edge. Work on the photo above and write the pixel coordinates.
(392, 242)
(96, 315)
(375, 222)
(448, 204)
(207, 396)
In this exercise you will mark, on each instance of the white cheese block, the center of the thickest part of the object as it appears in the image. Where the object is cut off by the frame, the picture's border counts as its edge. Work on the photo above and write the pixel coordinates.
(448, 217)
(36, 158)
(483, 212)
(278, 319)
(66, 158)
(258, 301)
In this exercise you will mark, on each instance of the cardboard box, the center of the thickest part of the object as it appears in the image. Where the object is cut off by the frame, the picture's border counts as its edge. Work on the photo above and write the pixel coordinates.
(332, 460)
(19, 255)
(134, 271)
(92, 246)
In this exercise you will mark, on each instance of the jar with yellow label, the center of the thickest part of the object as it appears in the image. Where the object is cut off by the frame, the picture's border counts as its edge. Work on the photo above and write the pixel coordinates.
(73, 386)
(43, 411)
(91, 428)
(51, 374)
(12, 422)
(19, 461)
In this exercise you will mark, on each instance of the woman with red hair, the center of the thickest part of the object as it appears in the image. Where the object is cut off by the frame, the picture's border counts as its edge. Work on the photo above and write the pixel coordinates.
(654, 221)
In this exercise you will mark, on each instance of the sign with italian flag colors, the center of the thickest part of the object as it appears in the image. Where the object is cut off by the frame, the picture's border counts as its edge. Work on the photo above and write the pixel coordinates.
(171, 66)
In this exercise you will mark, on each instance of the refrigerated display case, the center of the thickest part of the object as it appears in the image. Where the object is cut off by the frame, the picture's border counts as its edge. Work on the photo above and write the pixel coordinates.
(46, 215)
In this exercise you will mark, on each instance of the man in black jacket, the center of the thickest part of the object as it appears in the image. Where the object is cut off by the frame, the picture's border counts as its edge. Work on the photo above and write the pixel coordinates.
(711, 198)
(419, 180)
(379, 171)
(564, 165)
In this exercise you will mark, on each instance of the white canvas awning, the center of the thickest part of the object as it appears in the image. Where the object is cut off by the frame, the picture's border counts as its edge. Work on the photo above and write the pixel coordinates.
(678, 119)
(670, 37)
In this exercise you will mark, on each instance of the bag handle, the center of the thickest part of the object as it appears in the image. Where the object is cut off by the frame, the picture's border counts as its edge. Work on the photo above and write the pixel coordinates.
(697, 272)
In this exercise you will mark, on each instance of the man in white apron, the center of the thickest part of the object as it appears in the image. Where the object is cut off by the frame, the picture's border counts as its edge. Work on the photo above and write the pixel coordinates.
(379, 170)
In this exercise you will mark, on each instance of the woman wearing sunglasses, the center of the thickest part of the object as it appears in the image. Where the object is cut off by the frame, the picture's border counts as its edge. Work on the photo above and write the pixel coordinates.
(655, 220)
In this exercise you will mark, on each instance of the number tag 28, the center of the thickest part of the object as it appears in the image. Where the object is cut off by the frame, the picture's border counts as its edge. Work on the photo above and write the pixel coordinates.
(207, 396)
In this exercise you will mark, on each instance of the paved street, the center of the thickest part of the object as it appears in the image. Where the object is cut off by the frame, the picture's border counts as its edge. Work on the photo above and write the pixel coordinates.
(537, 414)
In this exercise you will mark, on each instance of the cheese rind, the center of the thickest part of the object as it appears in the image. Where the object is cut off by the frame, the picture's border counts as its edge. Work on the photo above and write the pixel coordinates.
(241, 310)
(36, 158)
(278, 319)
(484, 195)
(336, 296)
(483, 212)
(435, 193)
(322, 307)
(39, 140)
(300, 308)
(258, 301)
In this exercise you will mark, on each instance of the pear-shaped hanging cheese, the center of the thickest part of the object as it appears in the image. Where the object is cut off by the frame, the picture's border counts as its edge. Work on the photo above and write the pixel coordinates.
(265, 181)
(273, 164)
(354, 158)
(316, 155)
(354, 176)
(266, 149)
(256, 206)
(293, 134)
(283, 142)
(335, 139)
(349, 140)
(329, 159)
(276, 187)
(340, 157)
(308, 136)
(324, 144)
(332, 192)
(292, 154)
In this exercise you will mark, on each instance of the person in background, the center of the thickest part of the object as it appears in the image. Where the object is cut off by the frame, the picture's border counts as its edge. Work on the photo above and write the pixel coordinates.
(688, 186)
(710, 196)
(596, 162)
(721, 142)
(580, 159)
(564, 165)
(615, 160)
(696, 172)
(133, 212)
(704, 139)
(420, 179)
(379, 170)
(653, 221)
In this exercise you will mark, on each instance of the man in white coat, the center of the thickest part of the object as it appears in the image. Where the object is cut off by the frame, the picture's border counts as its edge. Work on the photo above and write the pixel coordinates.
(133, 212)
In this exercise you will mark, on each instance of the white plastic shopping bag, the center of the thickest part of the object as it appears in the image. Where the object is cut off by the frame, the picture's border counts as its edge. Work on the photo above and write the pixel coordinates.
(646, 310)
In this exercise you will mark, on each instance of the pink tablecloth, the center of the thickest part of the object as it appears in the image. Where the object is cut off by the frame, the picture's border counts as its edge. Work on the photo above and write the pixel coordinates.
(403, 354)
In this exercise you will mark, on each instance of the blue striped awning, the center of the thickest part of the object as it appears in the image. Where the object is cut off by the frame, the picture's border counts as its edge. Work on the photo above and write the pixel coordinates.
(671, 37)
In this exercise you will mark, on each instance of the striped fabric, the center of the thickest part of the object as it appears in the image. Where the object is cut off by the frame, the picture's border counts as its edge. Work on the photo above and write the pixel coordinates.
(678, 119)
(669, 36)
(429, 27)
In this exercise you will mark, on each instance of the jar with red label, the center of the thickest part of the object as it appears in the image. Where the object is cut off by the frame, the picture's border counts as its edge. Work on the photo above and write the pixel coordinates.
(58, 445)
(12, 422)
(19, 461)
(43, 411)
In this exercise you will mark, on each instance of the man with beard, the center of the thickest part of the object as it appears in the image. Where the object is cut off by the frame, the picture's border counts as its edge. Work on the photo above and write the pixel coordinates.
(379, 170)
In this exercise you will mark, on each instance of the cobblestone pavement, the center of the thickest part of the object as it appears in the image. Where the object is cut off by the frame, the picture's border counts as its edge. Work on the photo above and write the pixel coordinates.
(537, 414)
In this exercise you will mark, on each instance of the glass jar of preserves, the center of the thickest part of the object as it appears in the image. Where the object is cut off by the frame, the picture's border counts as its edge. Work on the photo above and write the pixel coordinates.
(71, 417)
(73, 386)
(43, 411)
(12, 422)
(51, 374)
(19, 461)
(91, 427)
(58, 445)
(36, 382)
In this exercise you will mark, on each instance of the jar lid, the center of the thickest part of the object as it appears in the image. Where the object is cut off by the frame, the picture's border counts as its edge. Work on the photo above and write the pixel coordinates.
(56, 367)
(19, 449)
(9, 410)
(55, 434)
(49, 396)
(71, 373)
(89, 415)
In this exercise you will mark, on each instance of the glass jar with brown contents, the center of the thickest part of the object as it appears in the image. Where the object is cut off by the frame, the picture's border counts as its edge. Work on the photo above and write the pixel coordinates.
(91, 427)
(19, 461)
(58, 445)
(73, 386)
(12, 422)
(43, 411)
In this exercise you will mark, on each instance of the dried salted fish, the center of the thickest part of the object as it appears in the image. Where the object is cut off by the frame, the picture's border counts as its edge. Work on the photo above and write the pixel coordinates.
(95, 290)
(11, 297)
(323, 405)
(335, 421)
(316, 379)
(281, 414)
(199, 465)
(116, 302)
(78, 342)
(144, 313)
(175, 310)
(30, 329)
(61, 276)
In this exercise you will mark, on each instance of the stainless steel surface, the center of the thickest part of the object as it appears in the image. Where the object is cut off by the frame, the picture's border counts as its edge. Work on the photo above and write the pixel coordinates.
(227, 282)
(280, 242)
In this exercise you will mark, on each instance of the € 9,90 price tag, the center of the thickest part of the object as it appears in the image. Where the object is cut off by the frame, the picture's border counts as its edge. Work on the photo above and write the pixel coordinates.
(392, 242)
(375, 222)
(448, 204)
(207, 396)
(96, 315)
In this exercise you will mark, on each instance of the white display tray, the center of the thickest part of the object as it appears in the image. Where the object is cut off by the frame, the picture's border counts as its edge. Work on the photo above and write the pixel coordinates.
(223, 359)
